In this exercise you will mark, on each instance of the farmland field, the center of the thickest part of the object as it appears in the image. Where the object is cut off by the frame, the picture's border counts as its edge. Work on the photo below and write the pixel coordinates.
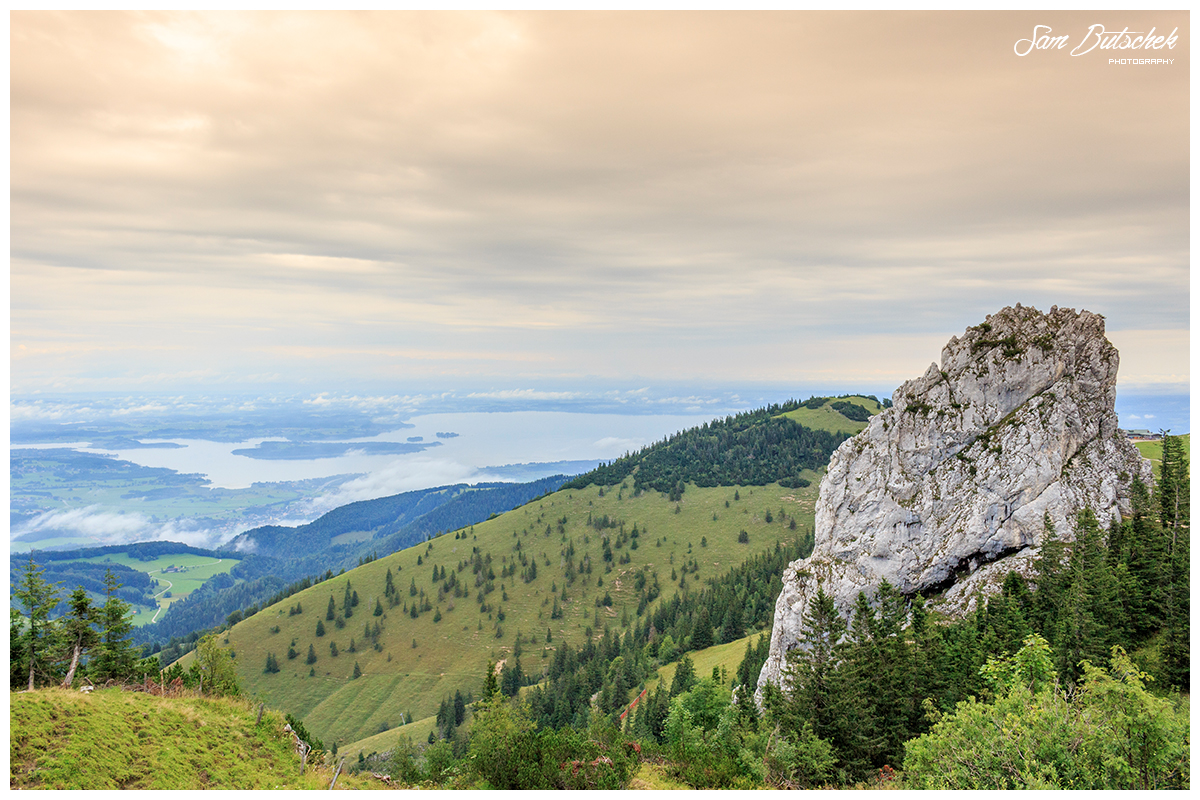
(187, 573)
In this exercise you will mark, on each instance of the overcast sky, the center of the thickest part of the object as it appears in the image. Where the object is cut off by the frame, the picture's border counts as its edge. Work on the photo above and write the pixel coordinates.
(333, 201)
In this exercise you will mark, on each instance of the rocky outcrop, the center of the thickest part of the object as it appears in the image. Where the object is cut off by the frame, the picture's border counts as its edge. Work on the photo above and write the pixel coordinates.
(947, 491)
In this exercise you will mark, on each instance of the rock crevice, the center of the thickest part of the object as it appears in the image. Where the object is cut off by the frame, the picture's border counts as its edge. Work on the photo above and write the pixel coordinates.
(947, 491)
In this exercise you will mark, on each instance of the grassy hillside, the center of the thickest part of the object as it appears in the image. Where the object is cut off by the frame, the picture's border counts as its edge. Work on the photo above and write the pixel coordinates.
(111, 739)
(414, 662)
(722, 656)
(1153, 451)
(827, 418)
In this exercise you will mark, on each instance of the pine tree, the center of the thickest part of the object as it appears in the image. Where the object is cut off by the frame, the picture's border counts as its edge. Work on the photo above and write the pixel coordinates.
(378, 608)
(1088, 623)
(357, 674)
(320, 628)
(684, 678)
(39, 597)
(114, 656)
(490, 686)
(331, 611)
(77, 631)
(1173, 488)
(702, 635)
(272, 664)
(460, 708)
(810, 673)
(312, 656)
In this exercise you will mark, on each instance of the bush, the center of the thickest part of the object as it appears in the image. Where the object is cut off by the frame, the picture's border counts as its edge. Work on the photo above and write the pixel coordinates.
(1111, 734)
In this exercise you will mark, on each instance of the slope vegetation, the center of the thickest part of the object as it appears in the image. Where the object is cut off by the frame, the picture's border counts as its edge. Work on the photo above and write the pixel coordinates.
(432, 638)
(112, 739)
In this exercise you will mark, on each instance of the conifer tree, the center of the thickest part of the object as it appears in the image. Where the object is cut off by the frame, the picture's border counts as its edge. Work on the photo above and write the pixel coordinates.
(39, 597)
(114, 655)
(702, 635)
(76, 629)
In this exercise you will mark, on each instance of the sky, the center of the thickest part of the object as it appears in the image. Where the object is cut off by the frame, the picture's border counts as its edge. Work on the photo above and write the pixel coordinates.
(530, 202)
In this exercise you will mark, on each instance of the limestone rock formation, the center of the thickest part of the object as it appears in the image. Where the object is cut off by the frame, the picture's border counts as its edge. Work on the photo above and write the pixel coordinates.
(947, 491)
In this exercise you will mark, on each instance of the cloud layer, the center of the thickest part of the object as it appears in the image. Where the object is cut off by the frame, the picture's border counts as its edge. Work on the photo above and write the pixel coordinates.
(340, 200)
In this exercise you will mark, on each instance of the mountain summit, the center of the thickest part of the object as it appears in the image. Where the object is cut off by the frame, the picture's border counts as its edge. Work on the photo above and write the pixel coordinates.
(949, 490)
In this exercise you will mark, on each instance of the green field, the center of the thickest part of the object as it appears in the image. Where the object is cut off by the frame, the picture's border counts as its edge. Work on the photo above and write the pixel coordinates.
(1153, 451)
(451, 654)
(826, 418)
(193, 571)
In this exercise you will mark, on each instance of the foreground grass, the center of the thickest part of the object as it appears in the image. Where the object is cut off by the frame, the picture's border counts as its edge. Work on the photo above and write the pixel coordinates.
(112, 739)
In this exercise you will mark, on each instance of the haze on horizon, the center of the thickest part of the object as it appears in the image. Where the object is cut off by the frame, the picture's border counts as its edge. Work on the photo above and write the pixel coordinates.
(530, 202)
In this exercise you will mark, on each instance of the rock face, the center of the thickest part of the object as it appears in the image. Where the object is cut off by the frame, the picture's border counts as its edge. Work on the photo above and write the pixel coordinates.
(947, 491)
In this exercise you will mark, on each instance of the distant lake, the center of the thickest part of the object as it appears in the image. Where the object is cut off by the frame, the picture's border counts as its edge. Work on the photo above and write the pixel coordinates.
(484, 439)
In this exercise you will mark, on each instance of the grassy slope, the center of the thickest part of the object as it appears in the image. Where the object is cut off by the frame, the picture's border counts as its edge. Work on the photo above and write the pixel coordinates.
(112, 739)
(1153, 451)
(728, 656)
(826, 418)
(451, 654)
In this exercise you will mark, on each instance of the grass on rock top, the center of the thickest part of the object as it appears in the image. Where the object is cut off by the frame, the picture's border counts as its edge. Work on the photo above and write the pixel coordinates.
(826, 418)
(418, 662)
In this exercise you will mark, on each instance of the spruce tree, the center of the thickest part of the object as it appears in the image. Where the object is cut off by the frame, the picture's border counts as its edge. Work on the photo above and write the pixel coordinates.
(77, 632)
(114, 655)
(460, 708)
(39, 597)
(702, 634)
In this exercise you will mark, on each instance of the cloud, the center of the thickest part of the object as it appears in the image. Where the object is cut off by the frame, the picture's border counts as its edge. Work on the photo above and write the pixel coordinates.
(610, 444)
(525, 394)
(395, 478)
(110, 527)
(342, 199)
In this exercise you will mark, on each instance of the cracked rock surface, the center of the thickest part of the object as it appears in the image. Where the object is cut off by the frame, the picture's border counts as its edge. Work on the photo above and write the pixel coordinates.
(946, 492)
